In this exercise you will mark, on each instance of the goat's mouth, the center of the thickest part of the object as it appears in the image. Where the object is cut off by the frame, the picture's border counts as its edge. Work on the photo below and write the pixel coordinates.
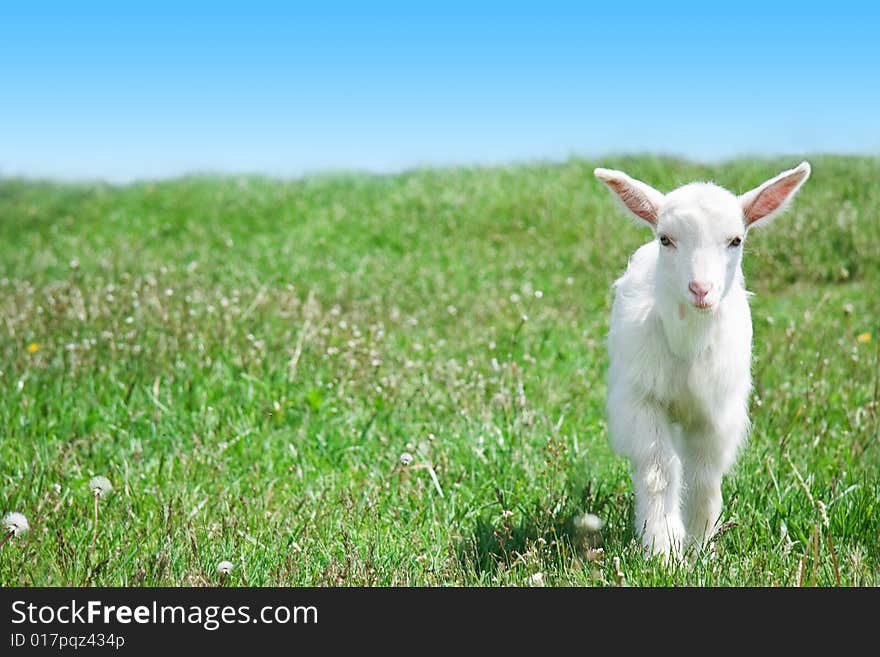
(703, 305)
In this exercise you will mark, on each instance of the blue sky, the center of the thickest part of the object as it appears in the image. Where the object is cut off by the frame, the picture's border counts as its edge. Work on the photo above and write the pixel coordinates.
(107, 90)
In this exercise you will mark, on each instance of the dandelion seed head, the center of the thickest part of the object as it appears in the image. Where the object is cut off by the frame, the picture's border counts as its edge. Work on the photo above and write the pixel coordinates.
(538, 294)
(225, 567)
(406, 458)
(15, 523)
(100, 486)
(588, 522)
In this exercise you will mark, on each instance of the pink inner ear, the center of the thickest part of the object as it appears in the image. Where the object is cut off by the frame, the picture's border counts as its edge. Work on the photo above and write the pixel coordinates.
(771, 198)
(634, 200)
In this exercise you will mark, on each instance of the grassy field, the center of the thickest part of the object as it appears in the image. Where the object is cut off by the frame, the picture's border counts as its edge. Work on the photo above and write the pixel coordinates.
(248, 361)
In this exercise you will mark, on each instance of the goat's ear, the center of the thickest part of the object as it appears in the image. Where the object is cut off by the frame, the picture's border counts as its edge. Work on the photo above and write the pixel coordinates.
(771, 198)
(642, 200)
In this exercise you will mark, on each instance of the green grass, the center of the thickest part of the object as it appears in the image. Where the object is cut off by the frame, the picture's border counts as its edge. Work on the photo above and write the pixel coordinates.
(247, 359)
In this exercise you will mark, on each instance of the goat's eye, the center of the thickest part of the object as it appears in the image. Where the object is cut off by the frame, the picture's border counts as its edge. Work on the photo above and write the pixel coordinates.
(735, 242)
(665, 241)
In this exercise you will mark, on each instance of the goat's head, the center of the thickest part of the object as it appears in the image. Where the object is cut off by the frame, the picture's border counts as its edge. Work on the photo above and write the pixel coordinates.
(700, 228)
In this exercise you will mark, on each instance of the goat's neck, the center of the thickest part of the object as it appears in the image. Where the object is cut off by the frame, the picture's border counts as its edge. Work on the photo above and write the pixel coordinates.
(689, 333)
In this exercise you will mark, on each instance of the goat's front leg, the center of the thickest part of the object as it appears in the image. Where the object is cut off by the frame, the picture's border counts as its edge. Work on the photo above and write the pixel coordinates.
(656, 476)
(702, 499)
(706, 455)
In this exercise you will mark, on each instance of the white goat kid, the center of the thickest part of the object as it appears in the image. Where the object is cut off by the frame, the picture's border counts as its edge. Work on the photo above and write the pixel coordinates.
(680, 350)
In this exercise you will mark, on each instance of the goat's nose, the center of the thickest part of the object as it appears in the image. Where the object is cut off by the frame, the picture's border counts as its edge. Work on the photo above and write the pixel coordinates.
(700, 288)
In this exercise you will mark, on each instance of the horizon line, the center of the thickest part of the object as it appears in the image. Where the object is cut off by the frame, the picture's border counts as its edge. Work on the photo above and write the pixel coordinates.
(393, 171)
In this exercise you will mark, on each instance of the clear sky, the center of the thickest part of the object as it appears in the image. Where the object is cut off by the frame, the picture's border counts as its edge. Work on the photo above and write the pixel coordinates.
(113, 91)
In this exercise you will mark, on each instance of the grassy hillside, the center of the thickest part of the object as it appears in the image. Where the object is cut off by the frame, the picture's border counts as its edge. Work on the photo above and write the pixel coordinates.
(247, 360)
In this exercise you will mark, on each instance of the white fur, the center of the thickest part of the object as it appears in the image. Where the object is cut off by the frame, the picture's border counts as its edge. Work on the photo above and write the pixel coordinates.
(679, 376)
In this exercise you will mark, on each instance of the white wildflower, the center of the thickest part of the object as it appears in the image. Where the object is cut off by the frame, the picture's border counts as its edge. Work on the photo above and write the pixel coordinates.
(224, 567)
(588, 522)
